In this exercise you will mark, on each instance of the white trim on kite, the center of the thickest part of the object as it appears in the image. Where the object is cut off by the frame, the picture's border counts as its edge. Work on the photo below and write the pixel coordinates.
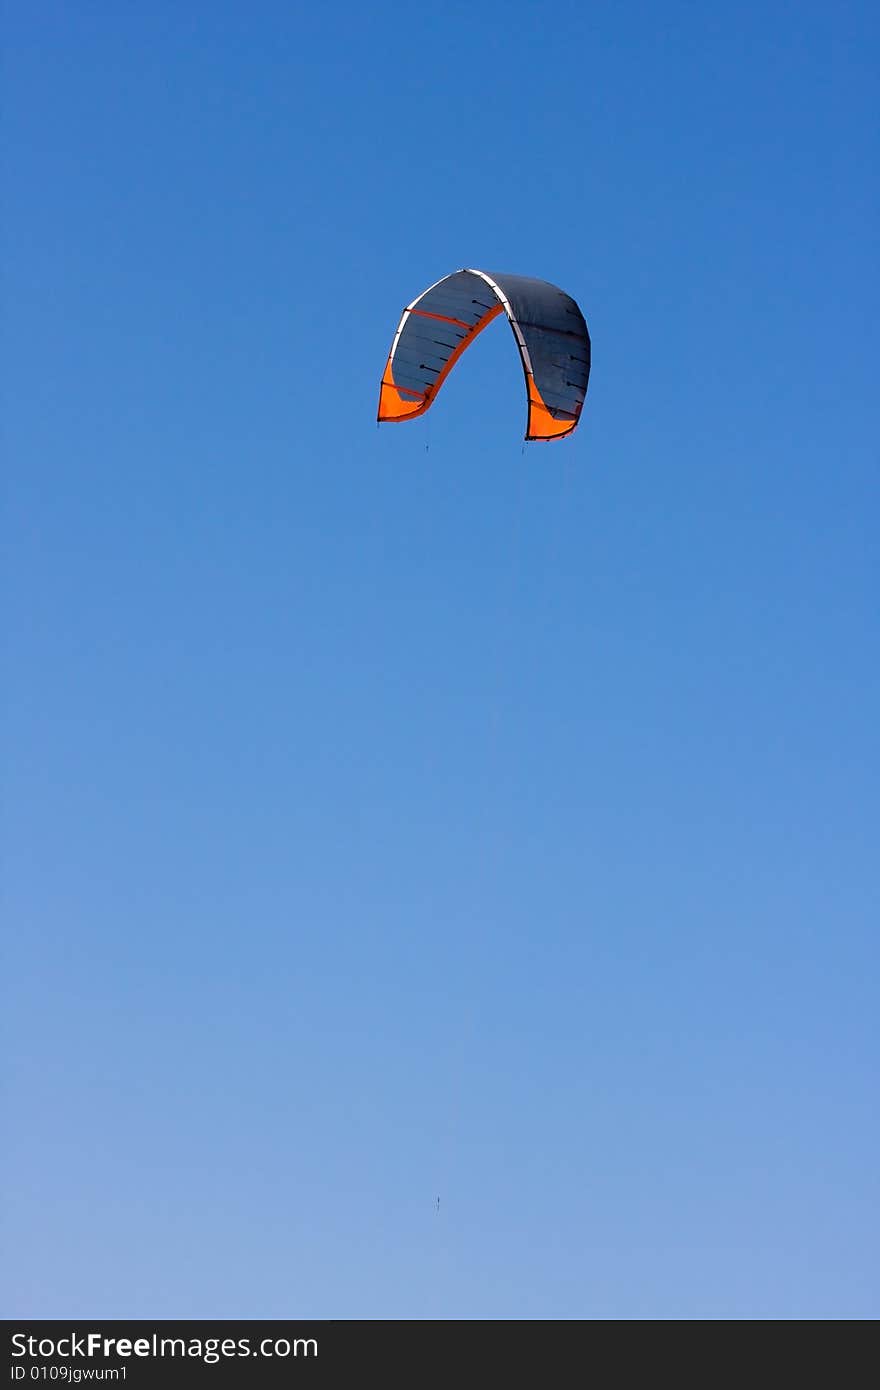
(517, 332)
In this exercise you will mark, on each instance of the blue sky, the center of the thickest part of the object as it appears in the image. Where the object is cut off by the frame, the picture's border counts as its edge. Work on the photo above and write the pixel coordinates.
(399, 813)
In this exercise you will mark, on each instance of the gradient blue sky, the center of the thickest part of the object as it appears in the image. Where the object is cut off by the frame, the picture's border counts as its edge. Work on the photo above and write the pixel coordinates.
(485, 822)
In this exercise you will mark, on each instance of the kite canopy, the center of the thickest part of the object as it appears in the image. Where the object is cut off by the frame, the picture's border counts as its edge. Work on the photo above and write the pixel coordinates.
(435, 329)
